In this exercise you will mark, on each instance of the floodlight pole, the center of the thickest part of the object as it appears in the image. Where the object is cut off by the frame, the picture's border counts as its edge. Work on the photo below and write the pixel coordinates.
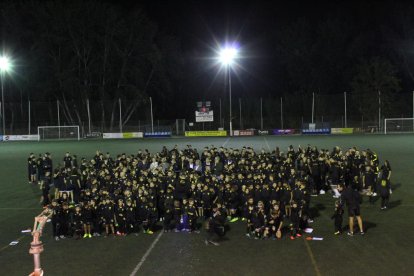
(313, 105)
(379, 110)
(240, 111)
(221, 122)
(346, 125)
(58, 115)
(152, 116)
(231, 124)
(281, 112)
(29, 118)
(3, 106)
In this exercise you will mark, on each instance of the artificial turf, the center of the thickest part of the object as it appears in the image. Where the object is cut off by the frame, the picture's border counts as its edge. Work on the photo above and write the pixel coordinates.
(386, 249)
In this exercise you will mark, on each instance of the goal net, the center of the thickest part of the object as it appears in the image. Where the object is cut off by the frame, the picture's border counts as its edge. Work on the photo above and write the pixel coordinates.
(399, 125)
(58, 132)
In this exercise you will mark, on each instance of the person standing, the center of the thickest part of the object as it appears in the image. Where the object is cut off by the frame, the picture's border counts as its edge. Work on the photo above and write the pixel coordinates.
(386, 174)
(352, 198)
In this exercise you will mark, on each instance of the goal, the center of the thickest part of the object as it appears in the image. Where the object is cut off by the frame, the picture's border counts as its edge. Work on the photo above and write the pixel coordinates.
(58, 132)
(399, 125)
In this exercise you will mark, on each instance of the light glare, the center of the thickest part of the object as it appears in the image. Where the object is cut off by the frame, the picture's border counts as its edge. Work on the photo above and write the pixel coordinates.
(4, 64)
(227, 55)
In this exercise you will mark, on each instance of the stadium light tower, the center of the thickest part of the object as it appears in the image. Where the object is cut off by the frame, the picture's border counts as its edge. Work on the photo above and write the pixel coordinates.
(4, 67)
(227, 57)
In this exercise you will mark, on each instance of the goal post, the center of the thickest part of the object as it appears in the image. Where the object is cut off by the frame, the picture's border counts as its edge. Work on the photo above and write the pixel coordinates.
(398, 125)
(58, 133)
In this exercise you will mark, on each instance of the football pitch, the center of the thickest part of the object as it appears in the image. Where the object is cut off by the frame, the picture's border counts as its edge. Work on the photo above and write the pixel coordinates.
(386, 249)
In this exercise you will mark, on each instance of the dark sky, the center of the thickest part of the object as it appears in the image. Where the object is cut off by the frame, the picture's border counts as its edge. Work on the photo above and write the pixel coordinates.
(198, 24)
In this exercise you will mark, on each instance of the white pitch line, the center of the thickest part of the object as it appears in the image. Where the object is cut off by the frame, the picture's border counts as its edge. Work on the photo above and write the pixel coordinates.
(225, 143)
(267, 144)
(144, 258)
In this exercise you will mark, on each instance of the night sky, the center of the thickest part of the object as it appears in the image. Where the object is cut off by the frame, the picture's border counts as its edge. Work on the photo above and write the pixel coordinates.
(255, 25)
(285, 48)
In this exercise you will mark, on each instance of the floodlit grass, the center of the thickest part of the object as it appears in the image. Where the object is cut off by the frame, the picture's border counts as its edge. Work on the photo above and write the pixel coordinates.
(386, 249)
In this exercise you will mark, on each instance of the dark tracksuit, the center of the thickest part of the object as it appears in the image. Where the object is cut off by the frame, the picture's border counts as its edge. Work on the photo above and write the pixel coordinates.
(192, 217)
(131, 225)
(64, 222)
(168, 217)
(87, 216)
(384, 191)
(120, 218)
(295, 219)
(338, 218)
(56, 215)
(177, 212)
(77, 223)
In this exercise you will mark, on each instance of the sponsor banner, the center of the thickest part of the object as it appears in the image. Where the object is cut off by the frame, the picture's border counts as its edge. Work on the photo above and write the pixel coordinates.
(94, 135)
(204, 116)
(263, 132)
(243, 132)
(20, 137)
(317, 131)
(128, 135)
(206, 133)
(112, 135)
(342, 130)
(283, 131)
(158, 134)
(125, 135)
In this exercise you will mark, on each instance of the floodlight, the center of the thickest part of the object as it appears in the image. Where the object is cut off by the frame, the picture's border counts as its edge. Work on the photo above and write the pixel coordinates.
(4, 64)
(227, 55)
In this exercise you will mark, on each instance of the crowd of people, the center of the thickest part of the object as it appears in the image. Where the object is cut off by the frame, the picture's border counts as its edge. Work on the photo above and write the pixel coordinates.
(183, 189)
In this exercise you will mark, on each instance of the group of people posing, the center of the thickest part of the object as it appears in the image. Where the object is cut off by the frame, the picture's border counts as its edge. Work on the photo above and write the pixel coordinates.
(183, 188)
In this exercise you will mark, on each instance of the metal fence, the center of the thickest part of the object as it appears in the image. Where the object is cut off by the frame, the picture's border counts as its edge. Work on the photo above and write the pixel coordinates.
(339, 110)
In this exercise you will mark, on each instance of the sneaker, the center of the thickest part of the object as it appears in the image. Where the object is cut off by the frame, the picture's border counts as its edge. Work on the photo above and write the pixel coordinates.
(299, 235)
(118, 233)
(248, 235)
(292, 238)
(89, 236)
(85, 235)
(310, 221)
(350, 234)
(56, 238)
(234, 219)
(362, 233)
(62, 237)
(382, 208)
(149, 232)
(243, 219)
(337, 233)
(374, 194)
(322, 192)
(98, 235)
